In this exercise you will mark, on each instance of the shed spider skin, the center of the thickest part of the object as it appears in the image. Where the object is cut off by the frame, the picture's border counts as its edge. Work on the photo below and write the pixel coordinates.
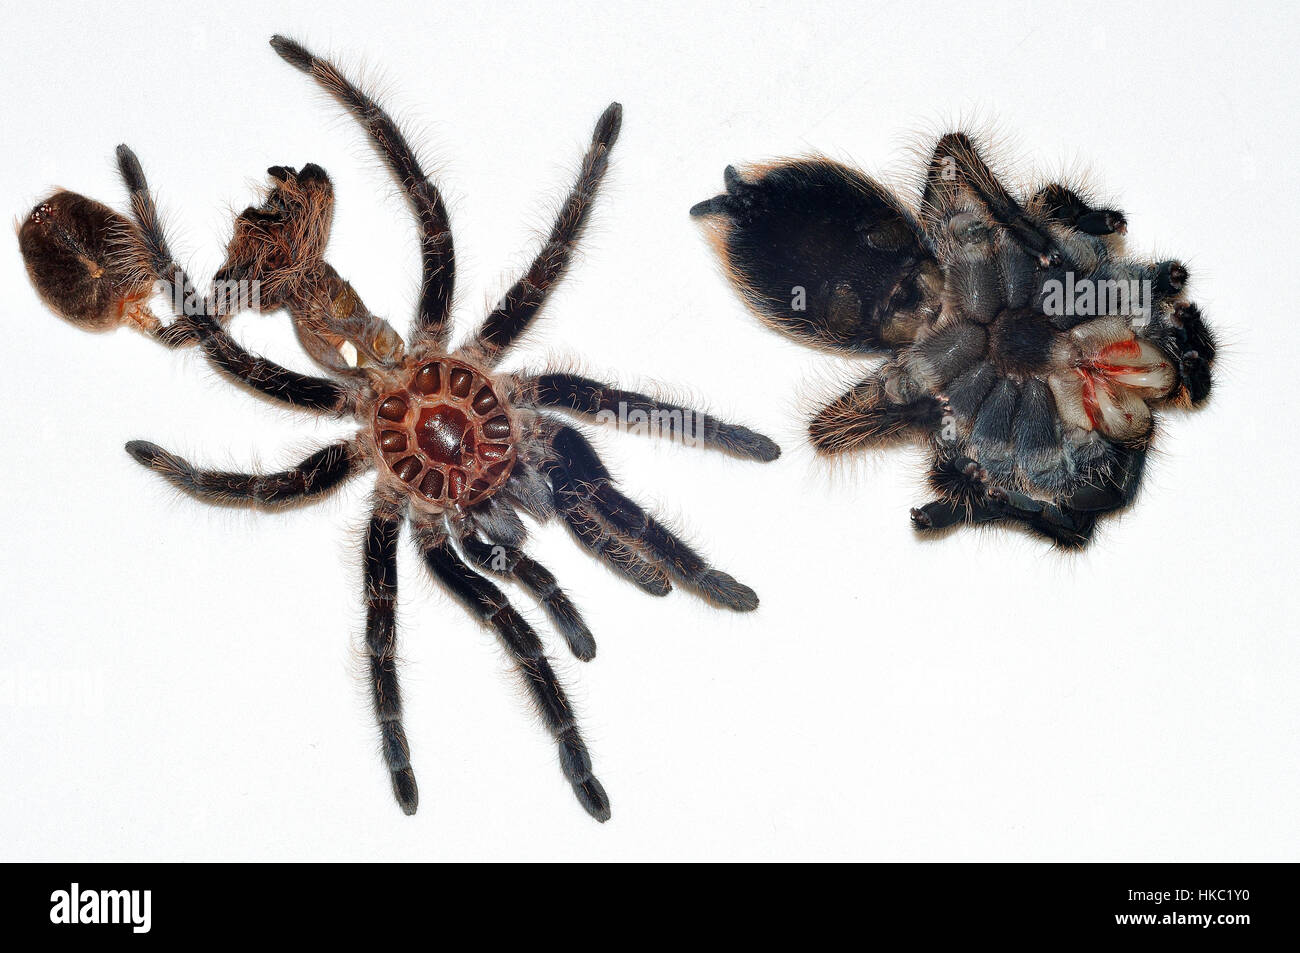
(459, 448)
(1021, 342)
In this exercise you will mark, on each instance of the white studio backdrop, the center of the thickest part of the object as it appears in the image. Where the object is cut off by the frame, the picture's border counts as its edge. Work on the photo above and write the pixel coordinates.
(181, 682)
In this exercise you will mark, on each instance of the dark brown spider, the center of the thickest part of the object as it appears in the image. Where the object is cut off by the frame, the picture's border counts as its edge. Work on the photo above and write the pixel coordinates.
(459, 448)
(1021, 343)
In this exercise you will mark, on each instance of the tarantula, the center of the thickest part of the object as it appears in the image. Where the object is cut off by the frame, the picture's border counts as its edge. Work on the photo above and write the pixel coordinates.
(1020, 341)
(459, 447)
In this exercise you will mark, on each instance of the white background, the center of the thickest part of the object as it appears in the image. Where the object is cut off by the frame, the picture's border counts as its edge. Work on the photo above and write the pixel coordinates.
(180, 682)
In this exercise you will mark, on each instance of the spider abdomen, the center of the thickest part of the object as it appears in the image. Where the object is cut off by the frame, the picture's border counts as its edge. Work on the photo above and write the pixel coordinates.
(83, 259)
(445, 433)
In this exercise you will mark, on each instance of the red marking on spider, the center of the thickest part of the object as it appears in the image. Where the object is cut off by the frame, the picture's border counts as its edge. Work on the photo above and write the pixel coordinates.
(1089, 397)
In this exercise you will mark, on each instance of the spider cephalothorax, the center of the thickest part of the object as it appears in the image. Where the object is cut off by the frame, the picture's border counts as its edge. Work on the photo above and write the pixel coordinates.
(459, 448)
(1020, 341)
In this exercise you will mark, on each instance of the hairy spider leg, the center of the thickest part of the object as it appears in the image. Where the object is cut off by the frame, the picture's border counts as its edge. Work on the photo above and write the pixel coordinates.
(380, 554)
(437, 253)
(957, 163)
(507, 322)
(512, 563)
(264, 376)
(589, 398)
(324, 471)
(580, 475)
(489, 605)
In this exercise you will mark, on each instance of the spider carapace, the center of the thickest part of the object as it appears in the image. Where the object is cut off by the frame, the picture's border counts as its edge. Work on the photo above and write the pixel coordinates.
(445, 432)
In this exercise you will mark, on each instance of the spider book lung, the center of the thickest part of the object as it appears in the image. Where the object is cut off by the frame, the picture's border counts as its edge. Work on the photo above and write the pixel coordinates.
(459, 448)
(1020, 341)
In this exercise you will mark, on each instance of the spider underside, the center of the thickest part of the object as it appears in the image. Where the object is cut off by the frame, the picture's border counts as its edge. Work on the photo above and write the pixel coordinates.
(1021, 343)
(460, 449)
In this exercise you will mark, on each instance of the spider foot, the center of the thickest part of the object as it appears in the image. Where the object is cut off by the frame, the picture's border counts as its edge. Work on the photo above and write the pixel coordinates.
(960, 478)
(748, 443)
(1194, 371)
(939, 514)
(405, 790)
(1171, 278)
(1103, 221)
(1197, 351)
(591, 795)
(718, 586)
(575, 762)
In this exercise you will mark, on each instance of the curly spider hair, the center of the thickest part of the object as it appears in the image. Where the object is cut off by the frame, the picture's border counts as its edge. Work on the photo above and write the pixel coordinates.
(460, 449)
(1020, 341)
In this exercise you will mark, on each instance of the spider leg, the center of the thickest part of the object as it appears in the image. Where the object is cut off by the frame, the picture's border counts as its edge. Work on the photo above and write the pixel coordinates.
(1067, 529)
(1170, 278)
(579, 475)
(436, 250)
(1061, 524)
(512, 563)
(1068, 521)
(1066, 206)
(956, 163)
(590, 398)
(869, 415)
(381, 644)
(511, 317)
(266, 377)
(942, 513)
(323, 471)
(898, 400)
(602, 542)
(963, 495)
(496, 520)
(1197, 351)
(490, 606)
(1116, 486)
